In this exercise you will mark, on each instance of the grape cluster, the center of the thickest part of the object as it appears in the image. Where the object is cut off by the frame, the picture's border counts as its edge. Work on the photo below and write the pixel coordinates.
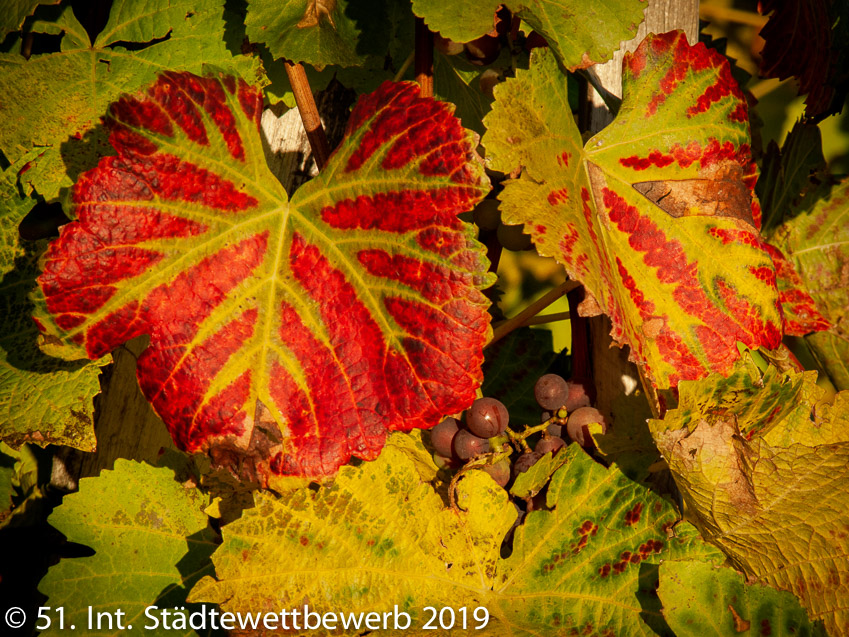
(457, 442)
(483, 439)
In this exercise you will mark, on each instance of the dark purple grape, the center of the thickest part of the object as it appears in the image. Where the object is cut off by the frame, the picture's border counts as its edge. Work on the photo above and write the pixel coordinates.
(487, 417)
(500, 472)
(551, 391)
(467, 445)
(577, 423)
(555, 430)
(579, 395)
(443, 434)
(525, 462)
(552, 443)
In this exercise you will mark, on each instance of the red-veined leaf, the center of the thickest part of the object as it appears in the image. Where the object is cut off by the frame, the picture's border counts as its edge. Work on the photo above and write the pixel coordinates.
(285, 335)
(656, 213)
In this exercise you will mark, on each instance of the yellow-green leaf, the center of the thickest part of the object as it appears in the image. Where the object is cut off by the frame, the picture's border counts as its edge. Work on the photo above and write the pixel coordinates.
(151, 543)
(774, 503)
(701, 600)
(381, 537)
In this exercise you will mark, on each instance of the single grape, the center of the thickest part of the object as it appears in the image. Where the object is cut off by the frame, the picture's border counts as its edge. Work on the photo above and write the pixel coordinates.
(555, 430)
(551, 443)
(487, 216)
(443, 434)
(551, 391)
(579, 395)
(467, 445)
(483, 50)
(446, 46)
(500, 472)
(487, 417)
(525, 462)
(577, 423)
(513, 238)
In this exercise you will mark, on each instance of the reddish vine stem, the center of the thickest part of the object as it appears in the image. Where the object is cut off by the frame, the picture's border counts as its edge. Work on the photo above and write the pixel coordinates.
(581, 360)
(424, 58)
(309, 113)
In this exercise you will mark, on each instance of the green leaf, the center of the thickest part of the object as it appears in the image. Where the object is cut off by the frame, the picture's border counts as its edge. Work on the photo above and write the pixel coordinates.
(580, 33)
(531, 482)
(817, 243)
(832, 351)
(655, 214)
(319, 32)
(73, 87)
(151, 543)
(16, 11)
(380, 536)
(775, 504)
(701, 600)
(43, 400)
(785, 187)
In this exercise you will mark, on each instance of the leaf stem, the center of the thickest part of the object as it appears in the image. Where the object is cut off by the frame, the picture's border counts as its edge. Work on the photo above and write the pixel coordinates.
(404, 67)
(424, 58)
(543, 319)
(309, 113)
(522, 318)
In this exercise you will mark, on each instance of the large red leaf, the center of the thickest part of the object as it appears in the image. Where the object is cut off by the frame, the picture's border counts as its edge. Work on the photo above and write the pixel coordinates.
(285, 336)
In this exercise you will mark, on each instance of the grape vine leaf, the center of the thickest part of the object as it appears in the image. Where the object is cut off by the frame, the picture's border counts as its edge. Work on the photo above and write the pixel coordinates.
(16, 11)
(817, 243)
(581, 34)
(457, 81)
(43, 400)
(792, 178)
(531, 482)
(286, 335)
(319, 32)
(381, 536)
(700, 600)
(770, 496)
(73, 87)
(655, 214)
(808, 40)
(151, 541)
